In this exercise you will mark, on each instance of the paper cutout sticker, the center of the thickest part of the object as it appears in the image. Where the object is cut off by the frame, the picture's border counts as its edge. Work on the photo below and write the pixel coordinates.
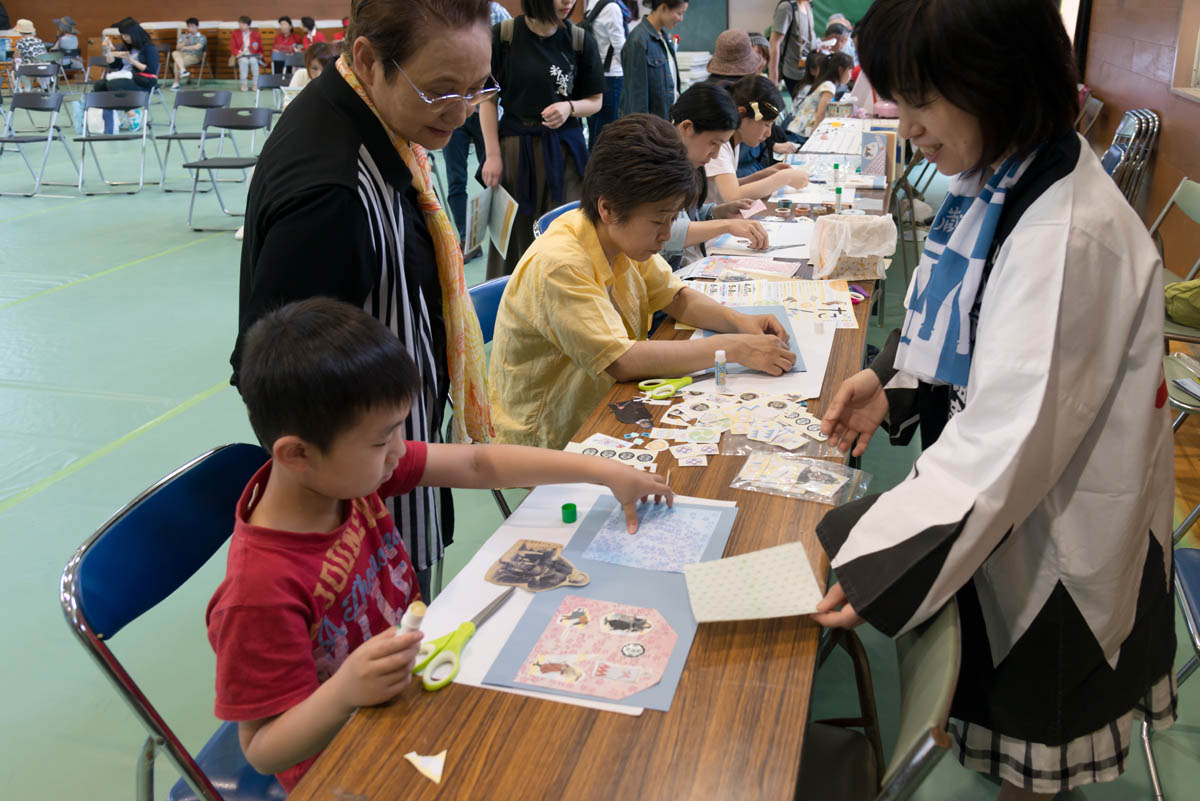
(535, 566)
(598, 657)
(631, 411)
(430, 767)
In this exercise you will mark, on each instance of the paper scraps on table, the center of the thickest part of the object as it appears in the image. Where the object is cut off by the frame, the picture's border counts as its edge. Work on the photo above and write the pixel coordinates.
(430, 767)
(822, 301)
(599, 440)
(695, 449)
(631, 411)
(667, 537)
(693, 461)
(599, 648)
(656, 445)
(774, 582)
(754, 208)
(535, 566)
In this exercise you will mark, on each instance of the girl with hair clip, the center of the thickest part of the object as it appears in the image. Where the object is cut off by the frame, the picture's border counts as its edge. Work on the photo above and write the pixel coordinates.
(706, 117)
(551, 78)
(835, 71)
(758, 103)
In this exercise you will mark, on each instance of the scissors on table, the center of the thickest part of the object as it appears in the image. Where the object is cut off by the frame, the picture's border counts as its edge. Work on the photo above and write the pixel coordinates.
(435, 656)
(663, 388)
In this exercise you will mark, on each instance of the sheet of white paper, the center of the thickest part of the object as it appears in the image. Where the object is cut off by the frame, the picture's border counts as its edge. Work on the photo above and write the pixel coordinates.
(479, 213)
(788, 241)
(774, 582)
(870, 203)
(816, 343)
(501, 217)
(539, 517)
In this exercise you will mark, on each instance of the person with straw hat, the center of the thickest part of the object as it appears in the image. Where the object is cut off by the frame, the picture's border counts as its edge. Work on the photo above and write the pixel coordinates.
(29, 49)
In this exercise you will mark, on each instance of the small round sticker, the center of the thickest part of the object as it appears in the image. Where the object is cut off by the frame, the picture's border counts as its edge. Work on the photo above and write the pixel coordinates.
(633, 649)
(590, 451)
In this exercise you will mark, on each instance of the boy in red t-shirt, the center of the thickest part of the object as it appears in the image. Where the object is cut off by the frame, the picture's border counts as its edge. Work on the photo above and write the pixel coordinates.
(304, 624)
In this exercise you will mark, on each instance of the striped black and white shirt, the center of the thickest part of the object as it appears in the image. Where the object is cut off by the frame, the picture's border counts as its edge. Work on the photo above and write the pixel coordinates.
(332, 212)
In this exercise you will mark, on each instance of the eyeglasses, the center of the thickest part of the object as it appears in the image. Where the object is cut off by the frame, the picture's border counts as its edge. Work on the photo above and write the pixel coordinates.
(443, 102)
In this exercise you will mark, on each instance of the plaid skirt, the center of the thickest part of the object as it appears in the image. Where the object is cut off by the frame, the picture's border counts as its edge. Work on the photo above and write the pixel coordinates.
(1100, 756)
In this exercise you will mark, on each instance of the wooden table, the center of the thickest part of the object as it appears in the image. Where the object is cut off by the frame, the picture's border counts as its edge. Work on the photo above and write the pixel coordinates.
(734, 730)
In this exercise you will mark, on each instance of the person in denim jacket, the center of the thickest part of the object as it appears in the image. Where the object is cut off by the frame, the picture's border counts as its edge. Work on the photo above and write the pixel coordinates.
(648, 61)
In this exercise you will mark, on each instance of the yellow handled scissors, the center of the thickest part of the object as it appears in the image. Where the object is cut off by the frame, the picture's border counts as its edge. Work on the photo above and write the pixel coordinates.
(663, 388)
(439, 658)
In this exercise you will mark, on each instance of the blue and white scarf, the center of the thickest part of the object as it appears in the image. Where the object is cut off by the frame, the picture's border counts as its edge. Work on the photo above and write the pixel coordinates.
(935, 344)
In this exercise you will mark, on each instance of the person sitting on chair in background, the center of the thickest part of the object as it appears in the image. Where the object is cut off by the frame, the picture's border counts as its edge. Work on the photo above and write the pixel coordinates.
(311, 34)
(316, 59)
(648, 61)
(246, 46)
(188, 52)
(459, 149)
(29, 50)
(304, 624)
(340, 36)
(67, 43)
(575, 315)
(287, 42)
(133, 65)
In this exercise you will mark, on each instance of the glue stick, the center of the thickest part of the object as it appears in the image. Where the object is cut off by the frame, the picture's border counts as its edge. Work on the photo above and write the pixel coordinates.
(837, 199)
(837, 178)
(412, 618)
(719, 370)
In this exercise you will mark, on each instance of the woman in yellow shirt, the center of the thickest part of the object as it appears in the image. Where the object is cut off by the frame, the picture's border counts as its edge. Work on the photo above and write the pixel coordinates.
(576, 312)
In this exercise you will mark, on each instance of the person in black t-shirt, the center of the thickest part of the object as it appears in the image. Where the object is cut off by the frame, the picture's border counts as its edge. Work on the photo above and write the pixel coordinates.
(550, 77)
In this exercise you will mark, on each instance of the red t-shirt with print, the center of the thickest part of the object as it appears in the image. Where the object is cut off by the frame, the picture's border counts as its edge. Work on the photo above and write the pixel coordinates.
(294, 605)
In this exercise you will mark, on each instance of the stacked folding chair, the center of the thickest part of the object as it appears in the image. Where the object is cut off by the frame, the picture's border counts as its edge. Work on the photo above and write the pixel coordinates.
(1128, 155)
(47, 103)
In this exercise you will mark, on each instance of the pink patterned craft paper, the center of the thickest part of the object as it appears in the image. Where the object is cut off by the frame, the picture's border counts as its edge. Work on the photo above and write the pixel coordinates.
(599, 648)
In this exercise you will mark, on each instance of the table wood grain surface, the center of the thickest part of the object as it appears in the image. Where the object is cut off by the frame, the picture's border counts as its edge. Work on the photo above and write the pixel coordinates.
(734, 730)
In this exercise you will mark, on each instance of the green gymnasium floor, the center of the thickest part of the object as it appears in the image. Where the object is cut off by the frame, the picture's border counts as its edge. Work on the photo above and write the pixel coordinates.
(116, 322)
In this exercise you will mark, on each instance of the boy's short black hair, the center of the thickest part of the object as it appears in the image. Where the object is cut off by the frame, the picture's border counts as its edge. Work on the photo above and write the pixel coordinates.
(637, 159)
(836, 29)
(192, 21)
(311, 368)
(1008, 63)
(245, 19)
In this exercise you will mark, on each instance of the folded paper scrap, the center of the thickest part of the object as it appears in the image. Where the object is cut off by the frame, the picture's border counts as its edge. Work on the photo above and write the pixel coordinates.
(773, 582)
(430, 767)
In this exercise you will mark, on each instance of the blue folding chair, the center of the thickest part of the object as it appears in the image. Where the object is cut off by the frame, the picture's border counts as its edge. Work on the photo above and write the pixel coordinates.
(542, 223)
(134, 561)
(486, 299)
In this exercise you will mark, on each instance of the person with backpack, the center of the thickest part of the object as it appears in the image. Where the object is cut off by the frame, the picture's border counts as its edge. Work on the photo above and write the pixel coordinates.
(649, 63)
(551, 77)
(793, 36)
(605, 20)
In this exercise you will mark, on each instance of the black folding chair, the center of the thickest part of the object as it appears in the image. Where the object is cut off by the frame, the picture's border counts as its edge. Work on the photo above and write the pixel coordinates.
(46, 103)
(40, 71)
(190, 98)
(58, 58)
(224, 119)
(95, 62)
(291, 63)
(275, 83)
(119, 102)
